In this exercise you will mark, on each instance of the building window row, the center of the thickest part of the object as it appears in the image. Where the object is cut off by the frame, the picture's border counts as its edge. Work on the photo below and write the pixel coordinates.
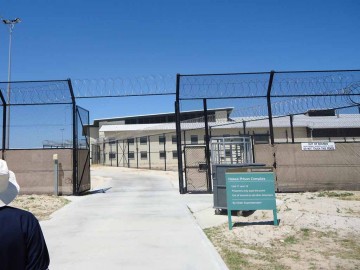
(144, 155)
(194, 139)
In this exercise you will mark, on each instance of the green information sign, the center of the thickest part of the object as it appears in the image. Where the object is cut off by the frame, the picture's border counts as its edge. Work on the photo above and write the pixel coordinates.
(250, 188)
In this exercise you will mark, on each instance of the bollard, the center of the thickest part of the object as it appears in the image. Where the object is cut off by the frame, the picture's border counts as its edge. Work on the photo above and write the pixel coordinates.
(56, 174)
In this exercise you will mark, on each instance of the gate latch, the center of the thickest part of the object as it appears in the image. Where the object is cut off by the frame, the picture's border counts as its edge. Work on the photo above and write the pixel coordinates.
(203, 167)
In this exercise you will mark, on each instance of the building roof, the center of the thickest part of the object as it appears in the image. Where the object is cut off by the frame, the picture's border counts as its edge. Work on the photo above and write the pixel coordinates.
(314, 122)
(318, 122)
(160, 116)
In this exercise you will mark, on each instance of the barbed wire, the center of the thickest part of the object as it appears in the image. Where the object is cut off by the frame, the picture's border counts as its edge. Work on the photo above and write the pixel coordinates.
(223, 86)
(191, 87)
(125, 86)
(331, 99)
(256, 85)
(37, 92)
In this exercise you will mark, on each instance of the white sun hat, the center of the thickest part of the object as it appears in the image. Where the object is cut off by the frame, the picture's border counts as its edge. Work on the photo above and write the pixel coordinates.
(9, 188)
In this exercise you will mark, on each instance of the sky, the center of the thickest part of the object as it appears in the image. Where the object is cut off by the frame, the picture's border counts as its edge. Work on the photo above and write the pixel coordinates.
(80, 39)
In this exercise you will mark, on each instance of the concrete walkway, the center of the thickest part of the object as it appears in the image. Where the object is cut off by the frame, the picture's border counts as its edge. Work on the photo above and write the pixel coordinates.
(141, 222)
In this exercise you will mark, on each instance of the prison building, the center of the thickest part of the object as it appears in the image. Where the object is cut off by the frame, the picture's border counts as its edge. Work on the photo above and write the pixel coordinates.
(150, 141)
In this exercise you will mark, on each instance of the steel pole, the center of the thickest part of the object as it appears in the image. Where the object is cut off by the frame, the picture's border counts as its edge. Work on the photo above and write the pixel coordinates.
(8, 90)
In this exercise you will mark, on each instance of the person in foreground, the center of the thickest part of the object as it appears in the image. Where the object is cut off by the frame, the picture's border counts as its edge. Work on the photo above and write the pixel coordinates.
(22, 244)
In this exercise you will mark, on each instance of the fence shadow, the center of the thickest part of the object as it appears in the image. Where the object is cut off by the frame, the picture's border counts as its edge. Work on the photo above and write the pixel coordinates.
(256, 223)
(90, 192)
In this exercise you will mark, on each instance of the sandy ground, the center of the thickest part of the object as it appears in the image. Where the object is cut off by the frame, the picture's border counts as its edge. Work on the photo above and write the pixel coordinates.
(42, 206)
(319, 230)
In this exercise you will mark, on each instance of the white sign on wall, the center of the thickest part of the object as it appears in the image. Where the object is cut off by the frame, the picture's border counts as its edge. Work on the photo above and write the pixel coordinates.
(318, 146)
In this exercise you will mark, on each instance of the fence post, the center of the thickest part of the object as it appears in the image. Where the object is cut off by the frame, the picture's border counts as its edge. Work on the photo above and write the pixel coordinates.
(123, 153)
(207, 147)
(117, 153)
(165, 150)
(149, 152)
(268, 99)
(252, 148)
(128, 153)
(137, 154)
(56, 174)
(178, 135)
(292, 128)
(74, 127)
(110, 153)
(4, 124)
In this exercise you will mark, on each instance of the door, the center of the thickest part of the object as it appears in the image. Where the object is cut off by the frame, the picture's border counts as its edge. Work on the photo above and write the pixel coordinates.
(196, 169)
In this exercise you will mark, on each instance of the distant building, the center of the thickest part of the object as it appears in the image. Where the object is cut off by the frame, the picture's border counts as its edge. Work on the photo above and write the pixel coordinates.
(149, 141)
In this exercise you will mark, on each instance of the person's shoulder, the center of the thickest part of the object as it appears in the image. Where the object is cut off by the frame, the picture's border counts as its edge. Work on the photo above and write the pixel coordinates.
(18, 212)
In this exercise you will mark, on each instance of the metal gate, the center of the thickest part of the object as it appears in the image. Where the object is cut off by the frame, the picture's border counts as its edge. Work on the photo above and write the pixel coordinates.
(196, 175)
(122, 154)
(82, 151)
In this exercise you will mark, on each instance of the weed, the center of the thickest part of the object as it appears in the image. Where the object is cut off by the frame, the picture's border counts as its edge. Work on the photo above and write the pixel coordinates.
(290, 240)
(331, 194)
(233, 259)
(349, 211)
(312, 266)
(351, 249)
(305, 231)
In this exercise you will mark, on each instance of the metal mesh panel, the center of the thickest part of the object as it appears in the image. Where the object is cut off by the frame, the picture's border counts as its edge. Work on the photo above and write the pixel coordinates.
(37, 92)
(299, 170)
(46, 126)
(196, 169)
(83, 151)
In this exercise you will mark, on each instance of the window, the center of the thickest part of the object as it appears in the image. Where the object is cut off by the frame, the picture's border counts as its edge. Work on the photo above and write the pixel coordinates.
(162, 139)
(131, 141)
(174, 139)
(162, 154)
(261, 138)
(131, 155)
(194, 139)
(143, 140)
(112, 140)
(174, 153)
(334, 132)
(227, 153)
(112, 155)
(143, 155)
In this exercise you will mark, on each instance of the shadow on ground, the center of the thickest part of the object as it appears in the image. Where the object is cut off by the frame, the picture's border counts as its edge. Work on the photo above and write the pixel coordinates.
(96, 191)
(259, 223)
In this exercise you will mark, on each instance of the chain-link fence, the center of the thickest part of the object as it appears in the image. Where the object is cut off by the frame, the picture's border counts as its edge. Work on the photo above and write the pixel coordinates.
(157, 151)
(279, 110)
(41, 122)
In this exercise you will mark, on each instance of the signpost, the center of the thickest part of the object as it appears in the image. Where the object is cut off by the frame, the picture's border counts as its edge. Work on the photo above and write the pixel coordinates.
(250, 188)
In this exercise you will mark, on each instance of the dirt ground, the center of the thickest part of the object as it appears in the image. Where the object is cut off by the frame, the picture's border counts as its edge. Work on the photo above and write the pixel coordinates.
(318, 230)
(42, 206)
